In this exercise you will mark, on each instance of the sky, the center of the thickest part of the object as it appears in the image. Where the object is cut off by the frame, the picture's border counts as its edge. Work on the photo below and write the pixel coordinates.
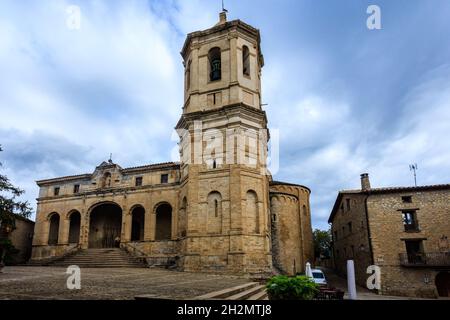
(345, 99)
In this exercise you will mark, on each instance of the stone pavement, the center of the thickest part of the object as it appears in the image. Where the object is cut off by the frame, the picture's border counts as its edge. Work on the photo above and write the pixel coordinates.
(362, 293)
(25, 282)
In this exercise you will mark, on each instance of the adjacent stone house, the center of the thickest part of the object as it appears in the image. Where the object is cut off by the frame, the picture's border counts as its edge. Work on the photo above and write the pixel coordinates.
(217, 209)
(403, 230)
(21, 238)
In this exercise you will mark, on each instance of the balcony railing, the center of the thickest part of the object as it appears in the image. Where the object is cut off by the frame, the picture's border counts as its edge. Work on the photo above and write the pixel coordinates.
(429, 259)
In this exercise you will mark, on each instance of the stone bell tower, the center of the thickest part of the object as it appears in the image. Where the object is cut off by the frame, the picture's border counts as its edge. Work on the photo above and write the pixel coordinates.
(222, 67)
(224, 195)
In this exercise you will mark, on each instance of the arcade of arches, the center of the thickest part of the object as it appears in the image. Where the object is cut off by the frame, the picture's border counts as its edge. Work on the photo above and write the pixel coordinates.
(106, 225)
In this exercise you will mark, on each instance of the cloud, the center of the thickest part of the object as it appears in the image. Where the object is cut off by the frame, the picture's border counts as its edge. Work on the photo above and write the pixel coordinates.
(346, 100)
(345, 148)
(27, 157)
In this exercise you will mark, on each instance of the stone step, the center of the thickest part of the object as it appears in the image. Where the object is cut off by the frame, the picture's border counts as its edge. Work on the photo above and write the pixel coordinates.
(262, 295)
(107, 263)
(243, 295)
(98, 266)
(97, 263)
(222, 294)
(99, 258)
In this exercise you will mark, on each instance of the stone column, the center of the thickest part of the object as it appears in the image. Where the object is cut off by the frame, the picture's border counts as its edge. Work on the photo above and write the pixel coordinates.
(174, 225)
(152, 227)
(147, 218)
(45, 231)
(126, 226)
(233, 58)
(84, 229)
(194, 68)
(63, 234)
(84, 226)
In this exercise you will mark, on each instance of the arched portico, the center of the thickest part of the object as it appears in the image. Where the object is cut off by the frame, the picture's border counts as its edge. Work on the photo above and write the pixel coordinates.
(74, 226)
(137, 223)
(53, 229)
(163, 225)
(105, 225)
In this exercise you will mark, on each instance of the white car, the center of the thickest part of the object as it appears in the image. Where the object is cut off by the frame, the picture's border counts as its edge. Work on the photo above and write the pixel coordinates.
(319, 277)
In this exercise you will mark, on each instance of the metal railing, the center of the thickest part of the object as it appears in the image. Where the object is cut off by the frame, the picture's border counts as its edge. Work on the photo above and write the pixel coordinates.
(430, 259)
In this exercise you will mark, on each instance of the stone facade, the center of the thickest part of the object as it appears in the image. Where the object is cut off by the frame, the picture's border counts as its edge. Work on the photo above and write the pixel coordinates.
(402, 230)
(291, 225)
(212, 210)
(21, 238)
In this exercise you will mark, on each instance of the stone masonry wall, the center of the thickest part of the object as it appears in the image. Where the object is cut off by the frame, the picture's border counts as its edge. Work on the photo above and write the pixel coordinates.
(389, 235)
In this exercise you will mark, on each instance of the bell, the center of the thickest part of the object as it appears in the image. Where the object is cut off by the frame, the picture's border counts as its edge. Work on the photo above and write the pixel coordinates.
(215, 70)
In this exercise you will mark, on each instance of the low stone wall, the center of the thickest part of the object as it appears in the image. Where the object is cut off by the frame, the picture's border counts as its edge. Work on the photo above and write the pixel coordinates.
(156, 253)
(157, 248)
(51, 251)
(408, 282)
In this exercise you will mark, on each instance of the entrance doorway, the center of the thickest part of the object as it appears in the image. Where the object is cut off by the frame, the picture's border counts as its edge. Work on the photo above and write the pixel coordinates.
(74, 228)
(105, 226)
(137, 224)
(443, 284)
(163, 222)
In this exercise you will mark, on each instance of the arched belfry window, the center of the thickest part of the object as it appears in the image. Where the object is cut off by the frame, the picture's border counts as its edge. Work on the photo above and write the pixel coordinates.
(188, 75)
(215, 67)
(245, 61)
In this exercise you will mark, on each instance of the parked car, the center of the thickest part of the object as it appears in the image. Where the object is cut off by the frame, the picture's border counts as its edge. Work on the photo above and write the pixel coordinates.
(319, 277)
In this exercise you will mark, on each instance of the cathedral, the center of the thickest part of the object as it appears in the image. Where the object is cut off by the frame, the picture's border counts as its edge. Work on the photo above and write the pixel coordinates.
(217, 209)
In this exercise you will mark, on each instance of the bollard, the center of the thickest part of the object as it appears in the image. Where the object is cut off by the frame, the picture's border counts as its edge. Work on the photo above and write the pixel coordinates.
(351, 280)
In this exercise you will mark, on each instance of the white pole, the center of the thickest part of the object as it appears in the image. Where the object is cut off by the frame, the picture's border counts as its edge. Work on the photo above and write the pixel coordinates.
(351, 280)
(308, 271)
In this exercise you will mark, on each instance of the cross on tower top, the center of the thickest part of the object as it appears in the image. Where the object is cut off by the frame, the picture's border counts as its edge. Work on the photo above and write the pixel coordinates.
(223, 8)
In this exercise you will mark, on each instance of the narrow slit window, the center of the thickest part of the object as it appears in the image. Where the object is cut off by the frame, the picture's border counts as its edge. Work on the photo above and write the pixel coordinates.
(246, 61)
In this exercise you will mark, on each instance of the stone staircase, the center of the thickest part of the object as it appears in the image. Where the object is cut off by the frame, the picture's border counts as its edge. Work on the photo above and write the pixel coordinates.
(100, 258)
(247, 291)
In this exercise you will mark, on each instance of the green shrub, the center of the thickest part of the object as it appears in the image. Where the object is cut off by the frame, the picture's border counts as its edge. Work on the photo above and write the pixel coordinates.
(7, 250)
(291, 288)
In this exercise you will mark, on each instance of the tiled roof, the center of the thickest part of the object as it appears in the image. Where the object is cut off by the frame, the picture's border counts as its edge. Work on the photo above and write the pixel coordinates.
(274, 183)
(400, 189)
(384, 190)
(153, 166)
(130, 169)
(74, 177)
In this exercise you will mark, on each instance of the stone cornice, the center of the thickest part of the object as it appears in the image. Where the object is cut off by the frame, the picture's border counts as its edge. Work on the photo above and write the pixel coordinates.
(111, 191)
(233, 26)
(131, 170)
(228, 110)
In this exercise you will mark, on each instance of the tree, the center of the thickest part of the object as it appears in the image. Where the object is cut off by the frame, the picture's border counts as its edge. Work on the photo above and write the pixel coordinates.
(10, 208)
(322, 243)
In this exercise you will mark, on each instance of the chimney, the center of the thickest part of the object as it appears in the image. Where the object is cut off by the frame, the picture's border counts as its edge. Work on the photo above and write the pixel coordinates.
(222, 17)
(365, 182)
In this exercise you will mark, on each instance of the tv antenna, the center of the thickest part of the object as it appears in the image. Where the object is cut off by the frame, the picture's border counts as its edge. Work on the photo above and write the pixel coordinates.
(414, 168)
(223, 8)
